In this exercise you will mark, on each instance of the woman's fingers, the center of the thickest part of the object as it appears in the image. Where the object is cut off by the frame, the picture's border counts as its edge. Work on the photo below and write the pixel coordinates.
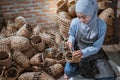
(77, 53)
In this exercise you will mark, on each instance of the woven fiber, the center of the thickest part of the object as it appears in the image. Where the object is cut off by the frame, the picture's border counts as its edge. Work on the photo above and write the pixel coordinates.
(21, 59)
(107, 14)
(5, 56)
(20, 43)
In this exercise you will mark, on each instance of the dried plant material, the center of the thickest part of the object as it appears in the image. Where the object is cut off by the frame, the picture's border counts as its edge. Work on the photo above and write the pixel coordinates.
(50, 52)
(20, 21)
(58, 38)
(5, 56)
(21, 59)
(6, 40)
(20, 43)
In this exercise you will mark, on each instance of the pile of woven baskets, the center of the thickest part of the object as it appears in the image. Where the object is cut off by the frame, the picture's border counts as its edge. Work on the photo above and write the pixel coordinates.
(30, 52)
(66, 12)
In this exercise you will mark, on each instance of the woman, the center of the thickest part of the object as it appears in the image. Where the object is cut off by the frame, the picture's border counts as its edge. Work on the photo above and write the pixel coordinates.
(86, 36)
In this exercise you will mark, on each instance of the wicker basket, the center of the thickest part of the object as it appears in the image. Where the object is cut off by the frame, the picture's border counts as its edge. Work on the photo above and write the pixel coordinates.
(5, 56)
(55, 70)
(21, 59)
(20, 43)
(50, 61)
(23, 31)
(64, 21)
(20, 21)
(37, 42)
(107, 14)
(38, 59)
(35, 76)
(11, 73)
(70, 58)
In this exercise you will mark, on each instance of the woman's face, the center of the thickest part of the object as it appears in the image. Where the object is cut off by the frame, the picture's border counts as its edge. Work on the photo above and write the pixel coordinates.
(83, 18)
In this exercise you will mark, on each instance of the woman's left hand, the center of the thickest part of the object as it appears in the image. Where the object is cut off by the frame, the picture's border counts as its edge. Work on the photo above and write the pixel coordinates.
(77, 54)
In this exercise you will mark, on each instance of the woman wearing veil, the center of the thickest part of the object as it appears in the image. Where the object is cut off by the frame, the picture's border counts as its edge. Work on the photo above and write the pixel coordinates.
(86, 36)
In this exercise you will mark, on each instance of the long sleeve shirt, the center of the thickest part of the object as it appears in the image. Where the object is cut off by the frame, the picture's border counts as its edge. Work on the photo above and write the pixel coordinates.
(96, 45)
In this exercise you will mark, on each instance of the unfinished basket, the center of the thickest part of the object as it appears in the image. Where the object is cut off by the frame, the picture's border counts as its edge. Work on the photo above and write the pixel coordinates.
(38, 59)
(70, 58)
(5, 56)
(20, 43)
(106, 15)
(21, 59)
(103, 4)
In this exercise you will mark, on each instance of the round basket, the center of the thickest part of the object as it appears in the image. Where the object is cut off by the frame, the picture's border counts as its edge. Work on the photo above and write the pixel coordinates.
(5, 56)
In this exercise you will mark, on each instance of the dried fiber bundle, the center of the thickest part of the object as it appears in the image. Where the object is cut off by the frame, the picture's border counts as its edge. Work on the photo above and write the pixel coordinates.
(20, 43)
(21, 59)
(38, 59)
(5, 56)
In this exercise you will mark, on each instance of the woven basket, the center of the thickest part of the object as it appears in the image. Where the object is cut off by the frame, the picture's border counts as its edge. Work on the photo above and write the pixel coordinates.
(37, 30)
(70, 58)
(21, 59)
(19, 21)
(62, 5)
(50, 61)
(38, 59)
(30, 52)
(37, 42)
(23, 31)
(35, 76)
(64, 21)
(20, 43)
(11, 73)
(5, 56)
(50, 52)
(55, 69)
(107, 14)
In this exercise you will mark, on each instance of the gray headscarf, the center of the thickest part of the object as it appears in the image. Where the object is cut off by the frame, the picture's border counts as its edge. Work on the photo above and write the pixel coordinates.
(90, 8)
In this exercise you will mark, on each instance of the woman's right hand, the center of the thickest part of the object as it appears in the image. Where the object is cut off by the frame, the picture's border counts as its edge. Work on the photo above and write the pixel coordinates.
(69, 44)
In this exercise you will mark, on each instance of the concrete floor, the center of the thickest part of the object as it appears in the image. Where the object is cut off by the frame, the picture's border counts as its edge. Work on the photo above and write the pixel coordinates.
(112, 51)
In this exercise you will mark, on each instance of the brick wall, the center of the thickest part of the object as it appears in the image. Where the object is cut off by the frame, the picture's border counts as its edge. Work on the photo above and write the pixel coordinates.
(35, 11)
(118, 16)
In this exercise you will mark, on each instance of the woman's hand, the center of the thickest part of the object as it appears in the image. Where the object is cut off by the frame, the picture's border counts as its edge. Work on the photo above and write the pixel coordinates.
(69, 44)
(77, 54)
